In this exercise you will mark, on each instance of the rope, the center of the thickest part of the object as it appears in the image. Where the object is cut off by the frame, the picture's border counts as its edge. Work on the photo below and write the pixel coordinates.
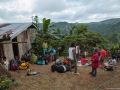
(106, 82)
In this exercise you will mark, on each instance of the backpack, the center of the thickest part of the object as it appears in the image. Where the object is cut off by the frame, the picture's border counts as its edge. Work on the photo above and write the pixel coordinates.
(13, 65)
(23, 65)
(66, 61)
(60, 68)
(39, 62)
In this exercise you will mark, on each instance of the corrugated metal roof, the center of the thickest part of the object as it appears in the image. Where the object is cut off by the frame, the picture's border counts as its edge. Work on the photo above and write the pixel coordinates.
(13, 29)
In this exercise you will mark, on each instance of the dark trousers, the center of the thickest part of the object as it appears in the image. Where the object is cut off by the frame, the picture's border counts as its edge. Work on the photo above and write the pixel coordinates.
(94, 71)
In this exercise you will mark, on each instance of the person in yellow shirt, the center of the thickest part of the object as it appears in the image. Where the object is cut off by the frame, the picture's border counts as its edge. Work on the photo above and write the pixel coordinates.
(45, 47)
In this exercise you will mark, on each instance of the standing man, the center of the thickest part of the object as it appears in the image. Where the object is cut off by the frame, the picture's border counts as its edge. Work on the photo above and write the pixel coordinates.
(45, 47)
(72, 58)
(78, 51)
(102, 57)
(86, 49)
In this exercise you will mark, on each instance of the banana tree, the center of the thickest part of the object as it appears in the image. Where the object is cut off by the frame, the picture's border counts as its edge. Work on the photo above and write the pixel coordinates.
(45, 24)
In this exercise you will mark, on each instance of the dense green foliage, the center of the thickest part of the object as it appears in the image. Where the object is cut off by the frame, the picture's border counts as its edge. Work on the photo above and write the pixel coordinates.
(62, 33)
(79, 33)
(105, 28)
(45, 24)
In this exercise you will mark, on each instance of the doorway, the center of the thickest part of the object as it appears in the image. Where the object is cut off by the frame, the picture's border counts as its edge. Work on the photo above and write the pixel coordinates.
(1, 52)
(15, 48)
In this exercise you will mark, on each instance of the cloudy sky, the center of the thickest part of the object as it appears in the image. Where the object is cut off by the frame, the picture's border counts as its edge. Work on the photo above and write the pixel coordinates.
(81, 11)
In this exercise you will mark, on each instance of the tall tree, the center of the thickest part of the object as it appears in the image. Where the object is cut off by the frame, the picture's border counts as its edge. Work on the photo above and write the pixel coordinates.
(81, 29)
(45, 23)
(35, 22)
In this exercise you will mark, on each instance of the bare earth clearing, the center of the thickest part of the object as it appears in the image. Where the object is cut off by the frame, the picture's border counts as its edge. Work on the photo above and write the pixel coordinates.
(48, 80)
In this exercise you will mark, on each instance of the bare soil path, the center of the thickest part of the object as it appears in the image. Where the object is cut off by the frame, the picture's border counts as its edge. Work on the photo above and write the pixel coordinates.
(47, 80)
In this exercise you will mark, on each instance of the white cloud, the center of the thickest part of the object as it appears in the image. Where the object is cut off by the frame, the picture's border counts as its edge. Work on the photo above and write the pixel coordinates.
(59, 10)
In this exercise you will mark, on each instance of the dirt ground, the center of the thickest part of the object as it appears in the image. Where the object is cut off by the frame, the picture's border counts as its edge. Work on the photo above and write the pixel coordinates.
(47, 80)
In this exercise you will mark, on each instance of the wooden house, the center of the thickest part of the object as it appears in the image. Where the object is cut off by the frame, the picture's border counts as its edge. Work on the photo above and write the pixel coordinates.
(15, 39)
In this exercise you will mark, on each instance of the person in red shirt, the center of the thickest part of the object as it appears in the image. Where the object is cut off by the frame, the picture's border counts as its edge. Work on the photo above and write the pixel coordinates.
(102, 57)
(95, 63)
(84, 60)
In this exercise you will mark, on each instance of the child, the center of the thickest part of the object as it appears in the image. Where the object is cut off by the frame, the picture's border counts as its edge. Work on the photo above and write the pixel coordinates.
(84, 60)
(52, 52)
(5, 63)
(109, 66)
(47, 57)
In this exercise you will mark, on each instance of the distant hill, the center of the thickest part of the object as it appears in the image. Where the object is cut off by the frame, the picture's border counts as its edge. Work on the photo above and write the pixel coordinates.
(110, 25)
(99, 26)
(105, 27)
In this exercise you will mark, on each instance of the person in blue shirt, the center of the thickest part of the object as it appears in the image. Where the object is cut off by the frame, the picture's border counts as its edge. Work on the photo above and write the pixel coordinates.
(52, 52)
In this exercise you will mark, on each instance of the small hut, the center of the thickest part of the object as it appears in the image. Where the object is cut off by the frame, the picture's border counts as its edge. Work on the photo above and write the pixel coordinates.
(15, 39)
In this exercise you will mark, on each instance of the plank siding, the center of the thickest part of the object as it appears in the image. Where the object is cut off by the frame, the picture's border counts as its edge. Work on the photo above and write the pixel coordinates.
(8, 51)
(24, 47)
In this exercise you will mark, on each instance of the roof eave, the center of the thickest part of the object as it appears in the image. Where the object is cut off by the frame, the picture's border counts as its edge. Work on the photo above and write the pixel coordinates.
(17, 33)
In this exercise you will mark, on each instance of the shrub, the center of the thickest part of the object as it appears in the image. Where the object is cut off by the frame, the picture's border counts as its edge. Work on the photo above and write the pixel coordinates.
(4, 82)
(33, 59)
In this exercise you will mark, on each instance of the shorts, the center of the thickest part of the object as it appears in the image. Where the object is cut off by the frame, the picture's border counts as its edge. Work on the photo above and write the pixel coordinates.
(44, 51)
(101, 60)
(73, 63)
(78, 56)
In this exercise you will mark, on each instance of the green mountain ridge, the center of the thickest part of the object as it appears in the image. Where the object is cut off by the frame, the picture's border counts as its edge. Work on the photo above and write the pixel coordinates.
(110, 25)
(105, 28)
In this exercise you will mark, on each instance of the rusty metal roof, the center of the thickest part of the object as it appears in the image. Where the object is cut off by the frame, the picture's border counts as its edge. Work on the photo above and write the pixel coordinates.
(13, 29)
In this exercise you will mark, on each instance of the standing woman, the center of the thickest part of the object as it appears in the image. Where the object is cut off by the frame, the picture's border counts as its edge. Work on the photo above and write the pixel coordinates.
(72, 58)
(95, 63)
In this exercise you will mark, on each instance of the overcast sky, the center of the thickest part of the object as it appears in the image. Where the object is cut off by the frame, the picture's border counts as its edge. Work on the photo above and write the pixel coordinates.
(71, 11)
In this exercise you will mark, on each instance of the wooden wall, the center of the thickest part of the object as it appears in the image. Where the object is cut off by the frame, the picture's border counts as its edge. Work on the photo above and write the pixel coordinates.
(24, 47)
(8, 50)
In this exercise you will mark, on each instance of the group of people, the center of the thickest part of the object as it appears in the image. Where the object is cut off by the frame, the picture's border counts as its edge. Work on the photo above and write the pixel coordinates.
(97, 58)
(48, 51)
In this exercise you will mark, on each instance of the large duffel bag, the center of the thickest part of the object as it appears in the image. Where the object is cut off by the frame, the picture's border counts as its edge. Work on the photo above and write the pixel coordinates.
(60, 68)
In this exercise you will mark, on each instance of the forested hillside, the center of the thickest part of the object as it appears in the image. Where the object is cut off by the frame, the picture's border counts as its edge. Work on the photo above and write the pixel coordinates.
(110, 28)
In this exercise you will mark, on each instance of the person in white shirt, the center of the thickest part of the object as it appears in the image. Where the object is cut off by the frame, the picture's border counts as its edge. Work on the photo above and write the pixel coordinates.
(5, 63)
(72, 58)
